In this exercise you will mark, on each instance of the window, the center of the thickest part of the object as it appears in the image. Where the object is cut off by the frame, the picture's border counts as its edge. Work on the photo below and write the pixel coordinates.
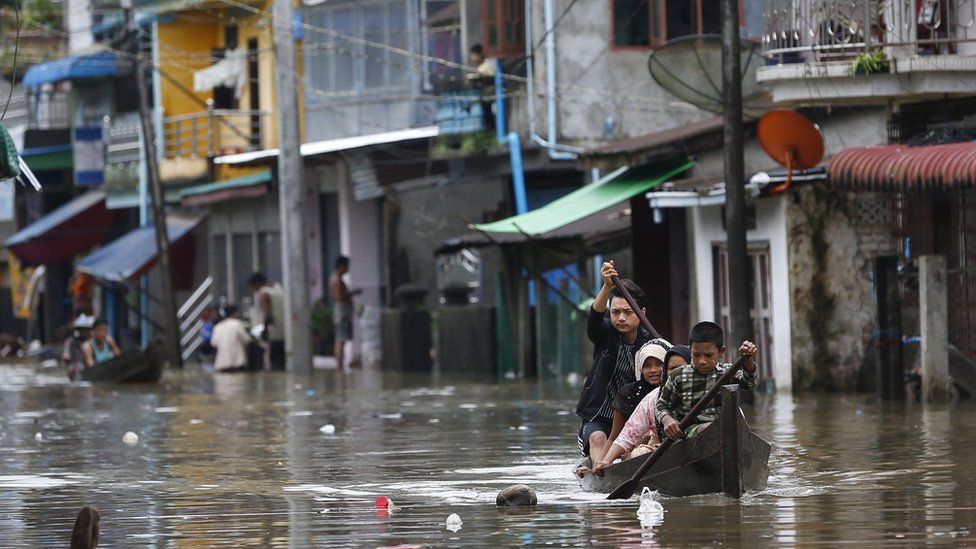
(503, 27)
(649, 23)
(339, 65)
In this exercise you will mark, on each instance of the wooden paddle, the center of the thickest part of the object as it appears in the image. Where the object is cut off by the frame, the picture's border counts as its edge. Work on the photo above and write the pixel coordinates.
(633, 305)
(628, 487)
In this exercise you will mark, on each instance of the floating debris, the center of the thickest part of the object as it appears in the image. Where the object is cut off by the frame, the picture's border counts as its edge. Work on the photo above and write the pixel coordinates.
(396, 415)
(130, 438)
(453, 522)
(38, 437)
(519, 495)
(651, 512)
(328, 429)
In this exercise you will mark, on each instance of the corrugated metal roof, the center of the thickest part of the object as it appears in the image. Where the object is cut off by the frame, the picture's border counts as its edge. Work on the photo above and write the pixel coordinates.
(895, 168)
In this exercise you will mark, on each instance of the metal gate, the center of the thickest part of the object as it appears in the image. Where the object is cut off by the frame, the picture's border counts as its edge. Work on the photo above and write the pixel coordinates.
(761, 312)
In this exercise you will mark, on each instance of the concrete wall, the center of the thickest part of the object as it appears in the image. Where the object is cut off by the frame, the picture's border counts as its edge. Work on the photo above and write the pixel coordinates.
(771, 221)
(596, 81)
(429, 216)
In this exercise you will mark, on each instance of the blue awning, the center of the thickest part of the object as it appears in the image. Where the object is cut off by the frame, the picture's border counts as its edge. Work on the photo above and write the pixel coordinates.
(131, 255)
(73, 67)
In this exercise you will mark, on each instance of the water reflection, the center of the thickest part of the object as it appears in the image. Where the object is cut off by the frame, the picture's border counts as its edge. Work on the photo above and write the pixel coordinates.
(240, 460)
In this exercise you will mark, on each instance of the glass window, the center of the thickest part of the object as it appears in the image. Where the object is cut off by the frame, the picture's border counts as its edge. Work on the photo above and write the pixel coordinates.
(631, 23)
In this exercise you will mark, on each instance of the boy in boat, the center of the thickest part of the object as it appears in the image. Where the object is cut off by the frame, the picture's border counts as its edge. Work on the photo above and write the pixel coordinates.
(100, 347)
(641, 434)
(616, 339)
(690, 383)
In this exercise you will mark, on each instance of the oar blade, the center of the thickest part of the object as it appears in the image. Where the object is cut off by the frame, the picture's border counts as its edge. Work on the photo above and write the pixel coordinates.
(625, 490)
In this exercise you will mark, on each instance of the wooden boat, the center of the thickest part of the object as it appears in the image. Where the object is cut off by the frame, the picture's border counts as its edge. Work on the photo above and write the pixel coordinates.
(141, 366)
(727, 456)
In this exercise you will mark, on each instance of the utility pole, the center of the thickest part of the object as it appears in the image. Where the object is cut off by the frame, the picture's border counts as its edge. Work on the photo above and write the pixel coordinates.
(735, 197)
(291, 194)
(171, 348)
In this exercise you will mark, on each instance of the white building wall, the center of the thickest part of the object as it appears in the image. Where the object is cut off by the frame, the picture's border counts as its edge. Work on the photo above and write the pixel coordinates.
(78, 20)
(770, 229)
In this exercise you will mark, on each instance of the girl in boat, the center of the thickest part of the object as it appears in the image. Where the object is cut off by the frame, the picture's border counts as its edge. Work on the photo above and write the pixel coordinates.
(100, 346)
(641, 434)
(649, 369)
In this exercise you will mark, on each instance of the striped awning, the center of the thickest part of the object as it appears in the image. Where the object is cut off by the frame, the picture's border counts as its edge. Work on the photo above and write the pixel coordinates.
(899, 168)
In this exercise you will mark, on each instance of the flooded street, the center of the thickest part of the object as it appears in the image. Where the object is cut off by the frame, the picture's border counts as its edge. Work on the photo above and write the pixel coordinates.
(239, 460)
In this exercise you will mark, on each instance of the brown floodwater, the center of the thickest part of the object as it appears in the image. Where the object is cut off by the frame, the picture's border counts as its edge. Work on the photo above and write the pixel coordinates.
(239, 460)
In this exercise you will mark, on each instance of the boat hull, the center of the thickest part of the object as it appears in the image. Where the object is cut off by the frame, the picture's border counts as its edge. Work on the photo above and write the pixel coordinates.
(141, 366)
(721, 458)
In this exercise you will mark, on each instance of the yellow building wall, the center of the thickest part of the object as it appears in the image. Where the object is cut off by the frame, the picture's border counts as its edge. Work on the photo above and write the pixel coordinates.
(185, 44)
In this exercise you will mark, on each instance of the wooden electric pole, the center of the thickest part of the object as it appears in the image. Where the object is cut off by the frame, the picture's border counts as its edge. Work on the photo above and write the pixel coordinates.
(735, 199)
(171, 337)
(291, 193)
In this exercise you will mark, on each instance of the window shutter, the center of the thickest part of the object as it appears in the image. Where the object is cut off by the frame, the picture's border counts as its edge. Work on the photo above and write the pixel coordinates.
(503, 27)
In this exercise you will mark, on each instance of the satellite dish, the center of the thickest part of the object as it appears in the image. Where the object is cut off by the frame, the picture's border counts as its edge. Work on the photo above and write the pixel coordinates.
(690, 68)
(792, 140)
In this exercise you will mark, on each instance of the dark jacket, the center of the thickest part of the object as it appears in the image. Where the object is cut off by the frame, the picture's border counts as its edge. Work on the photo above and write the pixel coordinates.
(606, 340)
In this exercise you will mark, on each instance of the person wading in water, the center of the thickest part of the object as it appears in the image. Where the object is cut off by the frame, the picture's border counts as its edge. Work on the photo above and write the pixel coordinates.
(616, 340)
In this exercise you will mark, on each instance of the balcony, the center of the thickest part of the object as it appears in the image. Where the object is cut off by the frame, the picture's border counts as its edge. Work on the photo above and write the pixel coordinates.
(49, 110)
(868, 51)
(190, 140)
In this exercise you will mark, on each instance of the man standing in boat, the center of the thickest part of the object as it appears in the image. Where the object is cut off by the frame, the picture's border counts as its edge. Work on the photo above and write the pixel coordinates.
(616, 339)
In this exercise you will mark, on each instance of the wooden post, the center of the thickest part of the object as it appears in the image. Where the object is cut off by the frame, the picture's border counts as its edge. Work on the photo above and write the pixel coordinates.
(933, 316)
(729, 422)
(172, 349)
(891, 372)
(735, 194)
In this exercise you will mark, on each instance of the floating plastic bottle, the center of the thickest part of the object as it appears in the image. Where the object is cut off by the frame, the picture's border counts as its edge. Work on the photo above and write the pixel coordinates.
(650, 513)
(453, 522)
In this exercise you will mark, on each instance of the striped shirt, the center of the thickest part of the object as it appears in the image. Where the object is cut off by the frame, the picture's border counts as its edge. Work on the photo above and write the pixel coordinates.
(685, 387)
(623, 373)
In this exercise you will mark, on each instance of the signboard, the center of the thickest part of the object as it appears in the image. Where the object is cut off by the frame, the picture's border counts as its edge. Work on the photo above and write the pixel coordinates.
(89, 150)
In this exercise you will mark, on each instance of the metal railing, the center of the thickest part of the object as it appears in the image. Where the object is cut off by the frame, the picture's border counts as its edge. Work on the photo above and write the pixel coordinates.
(188, 315)
(49, 110)
(213, 132)
(825, 30)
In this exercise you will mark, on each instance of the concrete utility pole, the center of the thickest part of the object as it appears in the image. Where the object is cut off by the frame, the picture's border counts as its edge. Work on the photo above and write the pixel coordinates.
(735, 197)
(291, 195)
(934, 316)
(171, 348)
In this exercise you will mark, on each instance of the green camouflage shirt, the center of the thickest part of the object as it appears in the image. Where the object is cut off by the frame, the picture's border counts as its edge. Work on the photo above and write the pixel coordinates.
(685, 387)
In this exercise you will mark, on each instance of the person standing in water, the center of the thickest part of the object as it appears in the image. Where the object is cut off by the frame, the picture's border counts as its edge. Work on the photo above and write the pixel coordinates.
(269, 311)
(341, 308)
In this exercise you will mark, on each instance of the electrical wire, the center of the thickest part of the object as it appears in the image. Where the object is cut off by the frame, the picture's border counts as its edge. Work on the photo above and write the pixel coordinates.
(13, 78)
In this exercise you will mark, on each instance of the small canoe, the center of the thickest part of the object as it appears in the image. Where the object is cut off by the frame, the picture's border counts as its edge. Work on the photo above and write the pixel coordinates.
(725, 457)
(141, 366)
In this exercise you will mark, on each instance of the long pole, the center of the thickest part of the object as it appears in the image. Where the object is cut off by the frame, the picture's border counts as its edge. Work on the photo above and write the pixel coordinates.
(291, 194)
(171, 341)
(735, 198)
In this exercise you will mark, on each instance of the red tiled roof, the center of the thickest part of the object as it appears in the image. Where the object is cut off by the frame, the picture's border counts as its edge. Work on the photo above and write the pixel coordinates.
(894, 168)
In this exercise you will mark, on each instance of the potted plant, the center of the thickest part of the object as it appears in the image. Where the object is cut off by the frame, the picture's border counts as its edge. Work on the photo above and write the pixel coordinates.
(870, 62)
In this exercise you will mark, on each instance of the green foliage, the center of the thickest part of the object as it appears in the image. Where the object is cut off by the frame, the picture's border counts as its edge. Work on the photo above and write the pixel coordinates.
(321, 322)
(870, 62)
(466, 143)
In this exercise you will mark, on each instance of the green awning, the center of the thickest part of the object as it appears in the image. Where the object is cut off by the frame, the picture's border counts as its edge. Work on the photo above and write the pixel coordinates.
(57, 157)
(613, 188)
(248, 186)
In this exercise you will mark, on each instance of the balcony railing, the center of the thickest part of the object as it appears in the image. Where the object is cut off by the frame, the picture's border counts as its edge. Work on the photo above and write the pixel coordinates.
(827, 30)
(213, 132)
(49, 110)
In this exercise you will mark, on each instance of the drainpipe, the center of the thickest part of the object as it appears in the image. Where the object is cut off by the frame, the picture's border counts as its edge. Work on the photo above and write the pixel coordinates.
(514, 144)
(556, 151)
